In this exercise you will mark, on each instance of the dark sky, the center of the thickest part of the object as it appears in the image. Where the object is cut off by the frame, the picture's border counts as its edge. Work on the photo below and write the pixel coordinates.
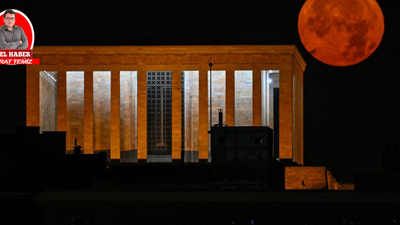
(351, 114)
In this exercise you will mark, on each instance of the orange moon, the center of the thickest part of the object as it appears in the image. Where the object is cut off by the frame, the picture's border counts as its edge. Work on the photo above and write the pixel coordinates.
(341, 32)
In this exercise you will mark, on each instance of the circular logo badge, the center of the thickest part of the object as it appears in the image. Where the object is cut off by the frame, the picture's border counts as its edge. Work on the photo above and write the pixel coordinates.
(22, 21)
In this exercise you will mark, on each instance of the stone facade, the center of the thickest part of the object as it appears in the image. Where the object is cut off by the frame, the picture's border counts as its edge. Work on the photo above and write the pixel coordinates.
(312, 178)
(84, 109)
(75, 104)
(128, 110)
(191, 110)
(101, 110)
(48, 101)
(302, 177)
(243, 98)
(218, 95)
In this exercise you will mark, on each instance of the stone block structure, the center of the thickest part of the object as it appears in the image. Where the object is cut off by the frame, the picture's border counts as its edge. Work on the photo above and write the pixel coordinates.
(101, 95)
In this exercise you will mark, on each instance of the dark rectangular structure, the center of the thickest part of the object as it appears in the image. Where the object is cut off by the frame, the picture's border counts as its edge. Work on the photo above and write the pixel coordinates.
(243, 156)
(241, 144)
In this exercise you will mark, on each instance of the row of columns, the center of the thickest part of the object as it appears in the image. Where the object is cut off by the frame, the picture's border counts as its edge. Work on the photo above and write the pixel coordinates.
(33, 110)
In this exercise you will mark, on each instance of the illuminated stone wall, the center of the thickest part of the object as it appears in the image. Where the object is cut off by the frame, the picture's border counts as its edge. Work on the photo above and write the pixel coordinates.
(244, 98)
(48, 101)
(75, 104)
(312, 178)
(128, 114)
(101, 110)
(83, 102)
(302, 177)
(218, 95)
(128, 110)
(191, 114)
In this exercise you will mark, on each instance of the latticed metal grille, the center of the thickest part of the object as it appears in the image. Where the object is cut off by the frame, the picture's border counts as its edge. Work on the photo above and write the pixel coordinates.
(159, 112)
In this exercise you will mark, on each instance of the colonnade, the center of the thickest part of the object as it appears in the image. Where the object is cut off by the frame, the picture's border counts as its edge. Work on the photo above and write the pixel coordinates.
(62, 59)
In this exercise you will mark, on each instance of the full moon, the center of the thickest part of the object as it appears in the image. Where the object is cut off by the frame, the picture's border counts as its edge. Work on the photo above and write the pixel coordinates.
(341, 32)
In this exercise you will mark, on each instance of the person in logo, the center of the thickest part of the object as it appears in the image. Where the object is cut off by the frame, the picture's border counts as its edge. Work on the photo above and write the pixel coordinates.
(12, 36)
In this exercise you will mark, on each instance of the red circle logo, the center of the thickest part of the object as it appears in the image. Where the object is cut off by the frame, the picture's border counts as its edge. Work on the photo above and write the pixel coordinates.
(22, 21)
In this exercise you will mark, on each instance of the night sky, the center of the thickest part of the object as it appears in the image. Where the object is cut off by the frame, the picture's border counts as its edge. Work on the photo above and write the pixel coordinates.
(351, 114)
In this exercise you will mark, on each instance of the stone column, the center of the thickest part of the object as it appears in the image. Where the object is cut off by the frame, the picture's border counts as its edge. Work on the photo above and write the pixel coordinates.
(115, 150)
(176, 114)
(203, 114)
(298, 102)
(32, 96)
(142, 114)
(256, 97)
(230, 97)
(88, 113)
(61, 100)
(285, 113)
